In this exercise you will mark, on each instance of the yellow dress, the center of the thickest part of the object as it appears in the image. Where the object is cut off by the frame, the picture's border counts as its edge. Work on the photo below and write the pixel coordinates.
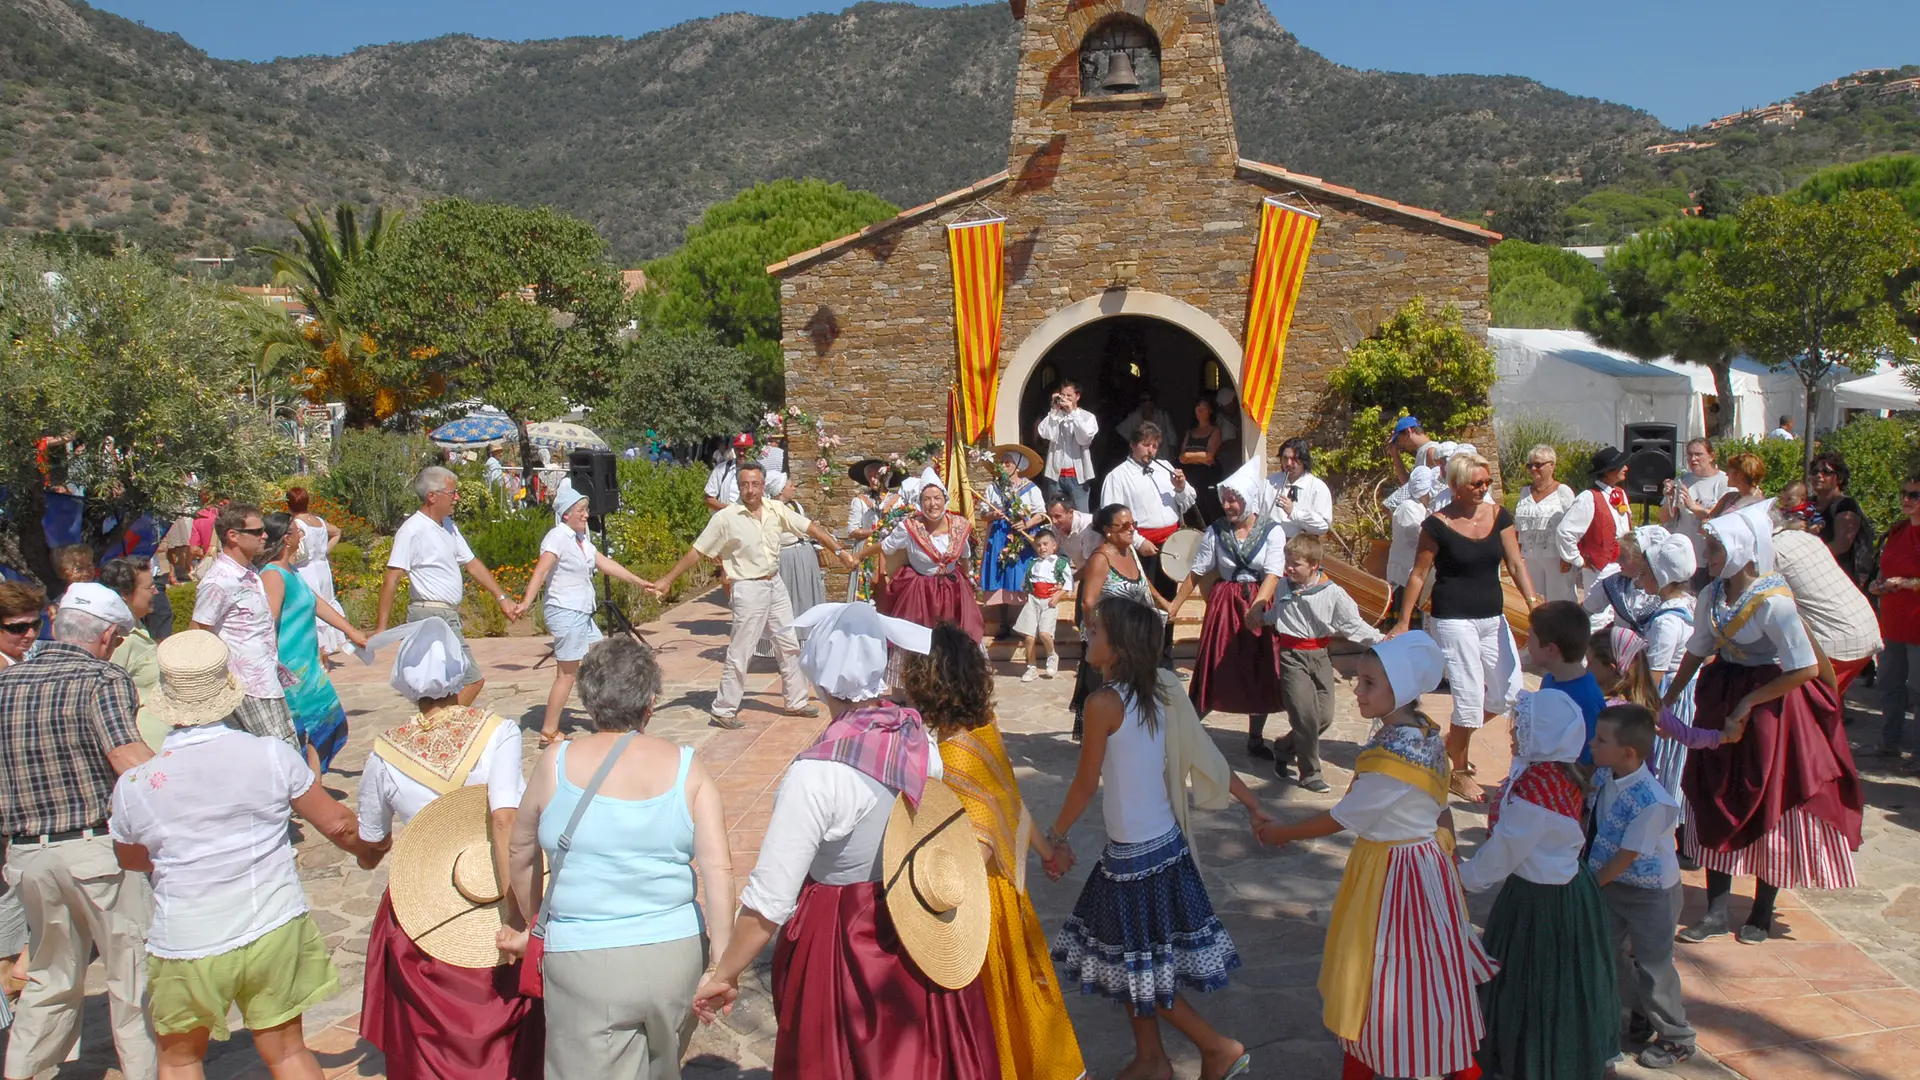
(1030, 1023)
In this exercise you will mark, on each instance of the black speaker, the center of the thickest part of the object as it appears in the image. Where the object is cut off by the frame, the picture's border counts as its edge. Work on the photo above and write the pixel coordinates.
(1651, 452)
(595, 475)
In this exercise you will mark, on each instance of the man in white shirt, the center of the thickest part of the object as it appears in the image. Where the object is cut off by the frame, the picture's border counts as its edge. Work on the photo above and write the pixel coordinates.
(1587, 540)
(1148, 411)
(232, 603)
(1302, 502)
(1155, 491)
(496, 471)
(1784, 430)
(1691, 499)
(1068, 431)
(430, 552)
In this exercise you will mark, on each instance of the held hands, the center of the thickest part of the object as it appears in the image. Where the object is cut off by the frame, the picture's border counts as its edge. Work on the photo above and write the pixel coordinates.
(1256, 616)
(359, 639)
(1061, 862)
(657, 588)
(847, 560)
(1736, 725)
(510, 941)
(714, 998)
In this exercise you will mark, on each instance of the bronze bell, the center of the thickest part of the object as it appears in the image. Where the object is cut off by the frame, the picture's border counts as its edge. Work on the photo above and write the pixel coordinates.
(1120, 77)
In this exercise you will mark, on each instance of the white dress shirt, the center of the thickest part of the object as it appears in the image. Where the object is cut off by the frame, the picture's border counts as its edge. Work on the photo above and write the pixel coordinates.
(1147, 491)
(1312, 511)
(1579, 515)
(432, 554)
(570, 585)
(1069, 439)
(389, 797)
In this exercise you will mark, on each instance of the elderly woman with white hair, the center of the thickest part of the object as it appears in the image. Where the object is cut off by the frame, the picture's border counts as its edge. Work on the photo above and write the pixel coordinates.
(847, 999)
(568, 560)
(1537, 518)
(935, 582)
(433, 1019)
(1770, 781)
(1463, 544)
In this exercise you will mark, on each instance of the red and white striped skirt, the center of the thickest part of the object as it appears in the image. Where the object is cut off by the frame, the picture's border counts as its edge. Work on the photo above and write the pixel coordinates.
(1423, 1014)
(1800, 852)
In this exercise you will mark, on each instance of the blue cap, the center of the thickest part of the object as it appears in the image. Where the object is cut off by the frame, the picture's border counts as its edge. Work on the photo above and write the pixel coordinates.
(1405, 423)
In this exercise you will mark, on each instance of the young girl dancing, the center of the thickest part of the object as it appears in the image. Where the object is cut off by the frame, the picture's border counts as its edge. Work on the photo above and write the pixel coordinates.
(1143, 926)
(1401, 961)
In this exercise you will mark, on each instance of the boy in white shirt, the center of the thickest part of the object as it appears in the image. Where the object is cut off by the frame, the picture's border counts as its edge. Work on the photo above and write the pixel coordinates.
(1049, 578)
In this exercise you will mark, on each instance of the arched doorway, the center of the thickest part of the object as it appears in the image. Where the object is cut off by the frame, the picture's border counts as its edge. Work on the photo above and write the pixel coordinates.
(1116, 344)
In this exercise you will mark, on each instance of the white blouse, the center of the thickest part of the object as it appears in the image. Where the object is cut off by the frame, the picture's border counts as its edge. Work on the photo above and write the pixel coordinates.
(1531, 841)
(570, 585)
(1667, 635)
(1537, 522)
(1312, 511)
(1378, 807)
(388, 795)
(864, 513)
(1212, 556)
(1774, 635)
(922, 563)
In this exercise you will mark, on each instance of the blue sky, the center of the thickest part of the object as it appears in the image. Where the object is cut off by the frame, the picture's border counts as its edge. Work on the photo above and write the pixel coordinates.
(1684, 62)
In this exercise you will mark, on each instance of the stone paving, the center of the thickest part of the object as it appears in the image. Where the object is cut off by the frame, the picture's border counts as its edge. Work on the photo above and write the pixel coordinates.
(1832, 996)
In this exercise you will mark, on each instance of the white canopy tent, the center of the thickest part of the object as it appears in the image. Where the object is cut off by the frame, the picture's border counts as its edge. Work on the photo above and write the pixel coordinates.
(1749, 418)
(1591, 391)
(1886, 389)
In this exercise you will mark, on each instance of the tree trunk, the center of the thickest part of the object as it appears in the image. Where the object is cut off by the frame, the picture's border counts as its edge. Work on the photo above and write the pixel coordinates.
(1722, 368)
(1806, 432)
(29, 511)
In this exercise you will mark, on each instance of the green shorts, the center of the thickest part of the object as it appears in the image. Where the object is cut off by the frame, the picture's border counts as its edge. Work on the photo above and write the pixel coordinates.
(273, 978)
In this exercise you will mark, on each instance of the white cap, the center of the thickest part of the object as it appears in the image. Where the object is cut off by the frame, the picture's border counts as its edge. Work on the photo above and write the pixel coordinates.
(98, 601)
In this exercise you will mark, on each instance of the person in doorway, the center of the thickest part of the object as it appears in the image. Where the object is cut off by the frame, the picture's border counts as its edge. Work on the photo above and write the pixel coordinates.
(1690, 500)
(746, 539)
(1783, 429)
(1537, 517)
(1068, 431)
(1200, 457)
(1148, 411)
(430, 552)
(232, 602)
(1589, 535)
(1302, 502)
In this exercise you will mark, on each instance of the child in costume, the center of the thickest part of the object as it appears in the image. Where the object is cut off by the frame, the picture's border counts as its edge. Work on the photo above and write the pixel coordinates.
(1552, 1011)
(1401, 961)
(1049, 579)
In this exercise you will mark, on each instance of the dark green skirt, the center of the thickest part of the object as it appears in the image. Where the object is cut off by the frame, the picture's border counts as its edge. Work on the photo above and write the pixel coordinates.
(1553, 1011)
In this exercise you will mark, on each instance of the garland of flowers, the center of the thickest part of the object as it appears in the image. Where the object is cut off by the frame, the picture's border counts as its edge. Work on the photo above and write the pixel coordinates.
(774, 425)
(1018, 539)
(915, 459)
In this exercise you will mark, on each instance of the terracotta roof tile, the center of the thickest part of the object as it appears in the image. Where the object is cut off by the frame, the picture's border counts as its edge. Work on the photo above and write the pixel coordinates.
(951, 198)
(1314, 183)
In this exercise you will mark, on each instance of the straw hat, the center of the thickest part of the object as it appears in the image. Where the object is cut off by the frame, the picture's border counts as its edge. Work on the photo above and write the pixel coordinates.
(195, 686)
(936, 886)
(445, 895)
(1030, 463)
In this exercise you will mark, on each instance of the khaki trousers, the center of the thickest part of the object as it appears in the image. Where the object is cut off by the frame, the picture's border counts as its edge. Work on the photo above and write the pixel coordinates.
(77, 900)
(759, 606)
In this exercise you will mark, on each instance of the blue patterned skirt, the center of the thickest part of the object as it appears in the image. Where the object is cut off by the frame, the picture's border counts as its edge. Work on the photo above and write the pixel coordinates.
(1143, 928)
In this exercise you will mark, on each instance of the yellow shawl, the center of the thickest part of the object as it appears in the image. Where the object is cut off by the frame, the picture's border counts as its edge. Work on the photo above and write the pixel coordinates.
(978, 771)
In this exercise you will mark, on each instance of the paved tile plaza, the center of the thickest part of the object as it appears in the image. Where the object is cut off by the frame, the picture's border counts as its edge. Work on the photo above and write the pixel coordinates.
(1832, 996)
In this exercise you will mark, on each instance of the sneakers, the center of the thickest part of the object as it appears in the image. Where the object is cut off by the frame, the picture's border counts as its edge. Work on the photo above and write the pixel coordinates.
(1030, 674)
(804, 710)
(1709, 926)
(1316, 784)
(728, 723)
(1749, 934)
(1053, 667)
(1662, 1054)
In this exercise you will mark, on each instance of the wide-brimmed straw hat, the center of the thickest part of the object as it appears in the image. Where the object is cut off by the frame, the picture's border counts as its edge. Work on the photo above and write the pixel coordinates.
(195, 686)
(936, 886)
(445, 895)
(857, 472)
(1030, 463)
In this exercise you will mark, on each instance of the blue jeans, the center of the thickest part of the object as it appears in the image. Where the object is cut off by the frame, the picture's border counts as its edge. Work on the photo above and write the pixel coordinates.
(1075, 488)
(1899, 682)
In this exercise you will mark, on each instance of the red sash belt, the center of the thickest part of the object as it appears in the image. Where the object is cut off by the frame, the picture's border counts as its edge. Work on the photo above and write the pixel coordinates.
(1303, 644)
(1045, 589)
(1159, 534)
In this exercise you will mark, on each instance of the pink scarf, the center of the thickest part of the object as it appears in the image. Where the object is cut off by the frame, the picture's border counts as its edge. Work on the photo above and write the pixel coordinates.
(884, 741)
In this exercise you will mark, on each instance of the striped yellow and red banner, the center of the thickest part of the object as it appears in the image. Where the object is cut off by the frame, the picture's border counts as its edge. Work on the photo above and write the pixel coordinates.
(979, 288)
(953, 462)
(1279, 263)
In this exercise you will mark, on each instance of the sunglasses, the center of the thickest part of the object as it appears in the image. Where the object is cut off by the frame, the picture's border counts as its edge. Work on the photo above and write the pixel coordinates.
(1910, 495)
(1820, 470)
(21, 627)
(261, 531)
(1539, 464)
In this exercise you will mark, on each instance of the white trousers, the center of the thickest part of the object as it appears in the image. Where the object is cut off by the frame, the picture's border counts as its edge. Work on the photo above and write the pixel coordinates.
(1549, 581)
(1483, 666)
(759, 606)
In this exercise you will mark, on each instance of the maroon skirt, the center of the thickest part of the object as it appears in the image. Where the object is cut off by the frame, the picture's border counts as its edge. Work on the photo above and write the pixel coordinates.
(1794, 756)
(1236, 672)
(932, 600)
(436, 1021)
(851, 1006)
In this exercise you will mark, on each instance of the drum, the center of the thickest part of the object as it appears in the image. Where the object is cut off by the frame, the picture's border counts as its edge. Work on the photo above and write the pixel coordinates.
(1176, 555)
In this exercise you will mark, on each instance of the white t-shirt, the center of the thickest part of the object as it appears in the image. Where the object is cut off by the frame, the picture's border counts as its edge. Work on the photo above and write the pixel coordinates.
(723, 483)
(212, 811)
(389, 796)
(570, 586)
(433, 555)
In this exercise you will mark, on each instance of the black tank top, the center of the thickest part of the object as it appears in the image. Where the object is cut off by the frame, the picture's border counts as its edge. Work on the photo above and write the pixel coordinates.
(1466, 572)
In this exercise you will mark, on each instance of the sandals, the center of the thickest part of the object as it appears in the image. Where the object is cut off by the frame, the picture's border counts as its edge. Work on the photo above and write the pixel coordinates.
(1467, 788)
(1239, 1068)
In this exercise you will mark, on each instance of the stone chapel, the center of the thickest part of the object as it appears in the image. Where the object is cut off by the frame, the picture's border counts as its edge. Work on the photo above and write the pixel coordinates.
(1131, 224)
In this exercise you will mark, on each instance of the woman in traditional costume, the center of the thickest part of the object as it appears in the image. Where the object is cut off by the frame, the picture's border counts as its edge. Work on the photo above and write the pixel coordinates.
(1016, 504)
(1770, 783)
(317, 713)
(952, 688)
(934, 584)
(431, 1018)
(1553, 1010)
(866, 515)
(849, 1002)
(1399, 1011)
(1237, 670)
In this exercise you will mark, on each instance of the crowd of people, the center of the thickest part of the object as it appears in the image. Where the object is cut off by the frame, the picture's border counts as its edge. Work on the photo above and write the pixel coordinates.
(553, 923)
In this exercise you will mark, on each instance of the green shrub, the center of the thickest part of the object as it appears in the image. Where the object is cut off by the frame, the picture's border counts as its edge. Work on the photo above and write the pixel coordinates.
(1879, 455)
(348, 558)
(181, 596)
(510, 540)
(372, 475)
(1781, 455)
(674, 493)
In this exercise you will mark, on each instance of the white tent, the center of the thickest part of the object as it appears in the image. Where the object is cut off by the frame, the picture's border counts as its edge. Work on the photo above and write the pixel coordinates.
(1749, 417)
(1887, 389)
(1591, 391)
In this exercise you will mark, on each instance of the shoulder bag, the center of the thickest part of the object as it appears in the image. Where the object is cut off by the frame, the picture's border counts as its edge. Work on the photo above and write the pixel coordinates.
(531, 982)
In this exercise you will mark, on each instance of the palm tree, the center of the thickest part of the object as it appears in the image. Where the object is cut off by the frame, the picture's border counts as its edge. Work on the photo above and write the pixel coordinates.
(327, 251)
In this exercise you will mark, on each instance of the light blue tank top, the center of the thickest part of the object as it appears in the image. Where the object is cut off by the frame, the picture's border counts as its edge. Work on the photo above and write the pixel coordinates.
(628, 878)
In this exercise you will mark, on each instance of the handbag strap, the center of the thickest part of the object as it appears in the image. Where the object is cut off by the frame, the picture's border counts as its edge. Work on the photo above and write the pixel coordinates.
(579, 811)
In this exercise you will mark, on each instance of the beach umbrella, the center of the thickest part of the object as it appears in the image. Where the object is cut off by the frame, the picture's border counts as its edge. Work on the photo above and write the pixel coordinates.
(563, 435)
(477, 430)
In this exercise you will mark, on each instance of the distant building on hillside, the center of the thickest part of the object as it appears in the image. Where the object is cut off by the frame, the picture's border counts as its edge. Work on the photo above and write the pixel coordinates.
(278, 296)
(1677, 147)
(1899, 86)
(1780, 113)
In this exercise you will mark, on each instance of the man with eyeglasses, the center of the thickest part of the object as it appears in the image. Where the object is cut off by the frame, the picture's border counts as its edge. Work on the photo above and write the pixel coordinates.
(430, 552)
(67, 730)
(232, 603)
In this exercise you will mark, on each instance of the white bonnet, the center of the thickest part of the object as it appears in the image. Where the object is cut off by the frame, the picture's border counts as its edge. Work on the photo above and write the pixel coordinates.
(845, 653)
